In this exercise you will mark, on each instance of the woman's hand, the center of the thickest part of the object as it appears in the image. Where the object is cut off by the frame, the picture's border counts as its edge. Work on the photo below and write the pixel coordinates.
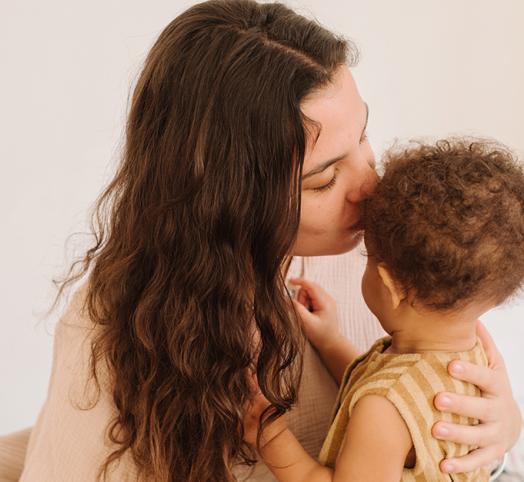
(318, 312)
(497, 411)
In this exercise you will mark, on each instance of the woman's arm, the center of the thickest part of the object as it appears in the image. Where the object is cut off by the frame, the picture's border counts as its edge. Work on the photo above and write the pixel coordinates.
(499, 415)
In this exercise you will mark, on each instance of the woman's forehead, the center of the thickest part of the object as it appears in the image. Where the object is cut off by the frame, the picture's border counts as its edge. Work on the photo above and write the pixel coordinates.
(340, 114)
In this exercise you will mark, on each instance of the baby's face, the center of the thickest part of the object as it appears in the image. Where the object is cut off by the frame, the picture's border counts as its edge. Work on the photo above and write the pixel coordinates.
(375, 293)
(371, 286)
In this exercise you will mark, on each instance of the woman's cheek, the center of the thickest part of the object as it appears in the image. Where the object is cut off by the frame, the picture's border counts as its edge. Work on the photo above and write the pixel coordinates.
(311, 221)
(322, 213)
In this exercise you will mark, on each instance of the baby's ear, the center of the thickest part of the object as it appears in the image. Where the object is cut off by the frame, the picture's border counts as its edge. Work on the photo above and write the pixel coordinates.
(395, 290)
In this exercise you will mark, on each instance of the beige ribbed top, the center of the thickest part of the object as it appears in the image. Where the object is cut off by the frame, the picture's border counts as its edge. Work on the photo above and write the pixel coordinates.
(68, 444)
(409, 382)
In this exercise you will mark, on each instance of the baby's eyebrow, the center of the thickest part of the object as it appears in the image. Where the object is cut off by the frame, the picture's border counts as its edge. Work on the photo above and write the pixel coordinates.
(322, 167)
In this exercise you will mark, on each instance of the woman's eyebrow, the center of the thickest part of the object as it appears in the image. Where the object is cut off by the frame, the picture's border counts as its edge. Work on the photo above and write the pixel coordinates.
(325, 165)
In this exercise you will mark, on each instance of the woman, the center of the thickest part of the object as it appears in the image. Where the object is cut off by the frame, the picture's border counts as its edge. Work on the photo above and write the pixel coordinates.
(245, 145)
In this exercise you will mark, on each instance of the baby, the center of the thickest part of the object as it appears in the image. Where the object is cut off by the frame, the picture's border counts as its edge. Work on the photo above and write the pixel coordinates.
(444, 235)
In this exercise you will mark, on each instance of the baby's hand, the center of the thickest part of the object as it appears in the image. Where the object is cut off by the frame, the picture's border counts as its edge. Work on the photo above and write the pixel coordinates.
(253, 410)
(318, 312)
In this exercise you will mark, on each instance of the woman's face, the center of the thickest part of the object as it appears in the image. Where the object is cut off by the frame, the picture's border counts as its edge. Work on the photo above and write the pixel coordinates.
(338, 172)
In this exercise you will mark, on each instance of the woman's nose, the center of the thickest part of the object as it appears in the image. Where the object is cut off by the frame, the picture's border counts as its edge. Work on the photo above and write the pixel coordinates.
(365, 186)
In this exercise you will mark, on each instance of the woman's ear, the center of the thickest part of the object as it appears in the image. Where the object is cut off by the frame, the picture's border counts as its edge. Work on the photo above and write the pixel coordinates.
(396, 294)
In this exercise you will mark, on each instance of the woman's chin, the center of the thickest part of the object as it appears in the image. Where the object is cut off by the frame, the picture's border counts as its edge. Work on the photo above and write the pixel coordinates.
(353, 241)
(340, 246)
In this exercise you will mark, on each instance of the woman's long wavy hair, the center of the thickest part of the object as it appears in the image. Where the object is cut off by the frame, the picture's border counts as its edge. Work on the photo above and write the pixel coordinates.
(193, 231)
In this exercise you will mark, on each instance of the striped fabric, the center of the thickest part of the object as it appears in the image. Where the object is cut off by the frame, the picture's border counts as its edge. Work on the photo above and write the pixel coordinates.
(410, 382)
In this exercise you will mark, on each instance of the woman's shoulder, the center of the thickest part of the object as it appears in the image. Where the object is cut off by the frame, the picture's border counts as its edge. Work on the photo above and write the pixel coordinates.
(76, 311)
(70, 435)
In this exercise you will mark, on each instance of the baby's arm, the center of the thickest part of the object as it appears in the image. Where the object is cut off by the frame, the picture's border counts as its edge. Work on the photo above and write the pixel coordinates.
(375, 448)
(287, 459)
(318, 312)
(376, 444)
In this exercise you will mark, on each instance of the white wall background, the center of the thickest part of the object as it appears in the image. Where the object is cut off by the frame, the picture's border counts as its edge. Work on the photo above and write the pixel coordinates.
(428, 68)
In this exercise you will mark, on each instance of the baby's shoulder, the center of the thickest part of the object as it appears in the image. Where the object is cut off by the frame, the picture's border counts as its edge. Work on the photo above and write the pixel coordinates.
(420, 381)
(377, 376)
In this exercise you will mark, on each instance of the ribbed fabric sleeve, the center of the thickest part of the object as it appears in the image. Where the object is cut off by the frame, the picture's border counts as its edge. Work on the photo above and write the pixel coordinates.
(68, 442)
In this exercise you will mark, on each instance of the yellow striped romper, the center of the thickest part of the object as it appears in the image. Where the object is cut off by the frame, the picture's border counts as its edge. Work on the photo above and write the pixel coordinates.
(410, 382)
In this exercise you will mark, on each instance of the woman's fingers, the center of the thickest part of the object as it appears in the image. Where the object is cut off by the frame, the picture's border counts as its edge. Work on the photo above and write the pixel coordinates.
(467, 463)
(496, 409)
(487, 379)
(474, 407)
(476, 435)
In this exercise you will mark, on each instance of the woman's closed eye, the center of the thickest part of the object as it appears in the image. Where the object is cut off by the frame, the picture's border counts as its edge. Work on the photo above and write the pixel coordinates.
(327, 186)
(363, 139)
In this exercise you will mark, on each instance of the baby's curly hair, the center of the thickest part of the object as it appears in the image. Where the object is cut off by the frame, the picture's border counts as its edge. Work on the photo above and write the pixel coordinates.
(448, 220)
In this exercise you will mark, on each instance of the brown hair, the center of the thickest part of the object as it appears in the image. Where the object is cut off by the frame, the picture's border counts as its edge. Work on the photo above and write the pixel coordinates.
(448, 220)
(192, 232)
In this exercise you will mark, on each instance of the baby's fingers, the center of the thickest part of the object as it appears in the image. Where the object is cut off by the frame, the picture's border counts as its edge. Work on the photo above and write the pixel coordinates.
(306, 315)
(304, 299)
(320, 298)
(309, 320)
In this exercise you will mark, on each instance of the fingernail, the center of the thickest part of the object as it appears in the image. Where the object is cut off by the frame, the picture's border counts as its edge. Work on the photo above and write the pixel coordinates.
(442, 430)
(457, 368)
(444, 401)
(448, 466)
